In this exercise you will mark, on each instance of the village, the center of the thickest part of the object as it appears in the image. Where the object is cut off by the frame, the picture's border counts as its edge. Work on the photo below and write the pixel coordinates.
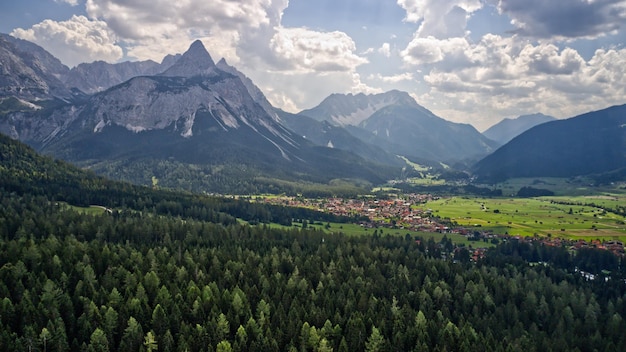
(410, 212)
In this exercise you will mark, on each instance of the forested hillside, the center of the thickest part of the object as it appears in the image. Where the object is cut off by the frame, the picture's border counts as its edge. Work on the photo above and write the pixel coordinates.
(164, 273)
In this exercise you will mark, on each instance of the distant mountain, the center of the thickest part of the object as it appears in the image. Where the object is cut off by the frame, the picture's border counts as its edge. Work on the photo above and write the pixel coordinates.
(193, 126)
(351, 110)
(394, 122)
(29, 72)
(414, 131)
(591, 143)
(507, 129)
(99, 75)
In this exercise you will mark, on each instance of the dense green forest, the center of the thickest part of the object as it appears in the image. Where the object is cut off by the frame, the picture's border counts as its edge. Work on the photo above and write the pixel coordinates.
(171, 271)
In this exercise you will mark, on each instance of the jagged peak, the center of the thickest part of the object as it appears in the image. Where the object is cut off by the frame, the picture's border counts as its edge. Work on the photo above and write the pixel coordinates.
(195, 61)
(222, 62)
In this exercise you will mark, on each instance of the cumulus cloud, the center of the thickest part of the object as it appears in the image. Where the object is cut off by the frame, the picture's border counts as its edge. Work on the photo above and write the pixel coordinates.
(571, 19)
(385, 49)
(431, 50)
(164, 27)
(132, 19)
(508, 76)
(442, 34)
(439, 18)
(74, 41)
(304, 50)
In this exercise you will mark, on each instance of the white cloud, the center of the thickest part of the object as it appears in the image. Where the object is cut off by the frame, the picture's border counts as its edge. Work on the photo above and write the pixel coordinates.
(511, 76)
(439, 18)
(303, 50)
(74, 41)
(385, 49)
(134, 19)
(151, 31)
(431, 50)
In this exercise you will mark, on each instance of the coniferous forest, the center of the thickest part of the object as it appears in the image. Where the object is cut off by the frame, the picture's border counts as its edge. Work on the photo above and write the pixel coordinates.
(168, 271)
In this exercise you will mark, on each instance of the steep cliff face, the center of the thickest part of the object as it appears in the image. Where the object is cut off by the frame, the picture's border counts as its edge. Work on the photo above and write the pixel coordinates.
(352, 110)
(29, 72)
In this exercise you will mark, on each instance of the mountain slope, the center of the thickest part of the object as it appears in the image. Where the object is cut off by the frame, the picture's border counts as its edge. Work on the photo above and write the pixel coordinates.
(507, 129)
(29, 72)
(416, 132)
(253, 90)
(594, 142)
(325, 134)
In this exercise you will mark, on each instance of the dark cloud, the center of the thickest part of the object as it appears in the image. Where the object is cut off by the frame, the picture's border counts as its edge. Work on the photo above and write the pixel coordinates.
(565, 18)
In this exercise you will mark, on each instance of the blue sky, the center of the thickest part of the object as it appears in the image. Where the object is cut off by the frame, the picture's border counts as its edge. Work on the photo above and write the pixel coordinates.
(471, 61)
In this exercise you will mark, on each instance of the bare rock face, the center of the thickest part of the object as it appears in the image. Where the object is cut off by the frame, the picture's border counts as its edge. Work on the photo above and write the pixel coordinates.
(29, 72)
(253, 90)
(195, 61)
(351, 110)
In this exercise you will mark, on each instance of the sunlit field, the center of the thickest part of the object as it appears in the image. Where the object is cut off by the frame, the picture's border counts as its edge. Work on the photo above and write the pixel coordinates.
(536, 216)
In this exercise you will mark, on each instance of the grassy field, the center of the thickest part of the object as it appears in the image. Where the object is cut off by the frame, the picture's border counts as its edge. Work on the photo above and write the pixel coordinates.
(357, 230)
(560, 186)
(90, 210)
(535, 216)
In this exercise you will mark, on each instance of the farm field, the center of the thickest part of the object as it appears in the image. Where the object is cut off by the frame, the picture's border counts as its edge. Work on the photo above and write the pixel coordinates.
(560, 186)
(536, 216)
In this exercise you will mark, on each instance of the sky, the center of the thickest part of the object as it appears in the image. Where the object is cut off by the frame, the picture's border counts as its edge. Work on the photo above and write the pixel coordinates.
(469, 61)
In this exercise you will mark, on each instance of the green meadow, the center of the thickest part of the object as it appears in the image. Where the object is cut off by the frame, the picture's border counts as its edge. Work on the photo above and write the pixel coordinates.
(357, 230)
(537, 216)
(90, 210)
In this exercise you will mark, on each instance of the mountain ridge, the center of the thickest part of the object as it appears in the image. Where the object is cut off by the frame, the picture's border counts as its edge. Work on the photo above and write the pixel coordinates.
(508, 128)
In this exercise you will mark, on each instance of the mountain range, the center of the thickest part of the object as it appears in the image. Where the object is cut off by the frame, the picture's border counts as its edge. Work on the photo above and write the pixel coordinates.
(194, 118)
(194, 124)
(395, 122)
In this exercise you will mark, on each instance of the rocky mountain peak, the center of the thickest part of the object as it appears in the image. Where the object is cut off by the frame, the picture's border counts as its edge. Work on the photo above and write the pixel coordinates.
(351, 110)
(195, 61)
(222, 63)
